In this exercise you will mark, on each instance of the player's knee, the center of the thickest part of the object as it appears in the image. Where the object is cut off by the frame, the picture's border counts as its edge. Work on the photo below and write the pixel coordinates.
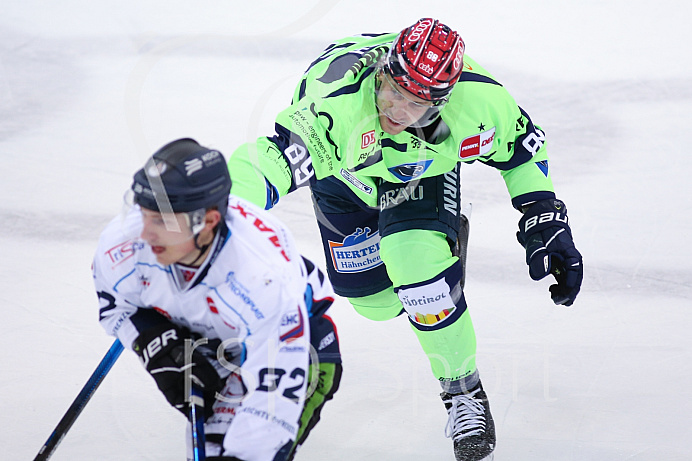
(434, 303)
(384, 305)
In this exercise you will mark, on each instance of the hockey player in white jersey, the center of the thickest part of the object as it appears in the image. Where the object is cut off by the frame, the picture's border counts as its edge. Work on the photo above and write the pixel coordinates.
(189, 262)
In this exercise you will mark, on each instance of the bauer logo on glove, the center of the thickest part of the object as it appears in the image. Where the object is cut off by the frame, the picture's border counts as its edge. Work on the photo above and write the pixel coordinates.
(545, 234)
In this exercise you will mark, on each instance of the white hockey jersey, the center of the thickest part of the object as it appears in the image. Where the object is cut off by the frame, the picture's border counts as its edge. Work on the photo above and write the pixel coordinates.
(248, 294)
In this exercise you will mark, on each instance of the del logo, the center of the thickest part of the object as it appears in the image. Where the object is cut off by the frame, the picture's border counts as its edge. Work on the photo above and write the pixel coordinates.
(367, 139)
(477, 145)
(292, 326)
(358, 252)
(410, 171)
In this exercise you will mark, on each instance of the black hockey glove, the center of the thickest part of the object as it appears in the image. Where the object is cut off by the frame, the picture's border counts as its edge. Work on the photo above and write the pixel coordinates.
(545, 234)
(162, 351)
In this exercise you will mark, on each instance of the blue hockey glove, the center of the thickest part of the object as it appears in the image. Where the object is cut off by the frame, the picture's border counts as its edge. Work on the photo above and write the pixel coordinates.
(545, 234)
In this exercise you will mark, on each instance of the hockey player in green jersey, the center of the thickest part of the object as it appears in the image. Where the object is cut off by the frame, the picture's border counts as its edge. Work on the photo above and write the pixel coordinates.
(378, 127)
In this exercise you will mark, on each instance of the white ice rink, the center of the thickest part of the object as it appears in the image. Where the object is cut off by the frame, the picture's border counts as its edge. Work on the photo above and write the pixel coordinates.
(88, 90)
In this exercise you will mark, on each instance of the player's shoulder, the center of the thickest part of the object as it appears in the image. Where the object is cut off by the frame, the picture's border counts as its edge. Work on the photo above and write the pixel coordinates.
(473, 67)
(353, 52)
(477, 81)
(245, 214)
(478, 93)
(260, 232)
(343, 65)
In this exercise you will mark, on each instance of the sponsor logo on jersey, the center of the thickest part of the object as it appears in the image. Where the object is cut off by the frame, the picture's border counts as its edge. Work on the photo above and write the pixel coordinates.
(358, 252)
(292, 326)
(293, 349)
(218, 410)
(406, 193)
(326, 341)
(367, 139)
(477, 145)
(451, 194)
(123, 251)
(428, 304)
(410, 171)
(355, 181)
(242, 293)
(270, 233)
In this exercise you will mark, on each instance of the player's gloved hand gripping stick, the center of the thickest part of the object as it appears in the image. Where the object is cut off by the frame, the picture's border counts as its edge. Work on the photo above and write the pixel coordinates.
(166, 355)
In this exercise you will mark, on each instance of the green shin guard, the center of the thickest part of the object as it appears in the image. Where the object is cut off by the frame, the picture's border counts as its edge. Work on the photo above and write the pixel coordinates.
(451, 350)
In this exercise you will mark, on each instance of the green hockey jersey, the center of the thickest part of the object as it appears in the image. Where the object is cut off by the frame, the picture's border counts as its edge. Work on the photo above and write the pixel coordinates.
(332, 129)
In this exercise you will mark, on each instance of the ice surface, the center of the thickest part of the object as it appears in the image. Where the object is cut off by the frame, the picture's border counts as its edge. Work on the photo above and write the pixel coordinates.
(89, 90)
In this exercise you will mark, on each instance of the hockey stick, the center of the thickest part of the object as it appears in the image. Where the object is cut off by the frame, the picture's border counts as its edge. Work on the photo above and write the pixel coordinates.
(461, 246)
(194, 397)
(196, 400)
(80, 402)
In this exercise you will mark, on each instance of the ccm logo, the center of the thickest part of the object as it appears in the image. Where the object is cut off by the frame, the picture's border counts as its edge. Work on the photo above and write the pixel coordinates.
(543, 218)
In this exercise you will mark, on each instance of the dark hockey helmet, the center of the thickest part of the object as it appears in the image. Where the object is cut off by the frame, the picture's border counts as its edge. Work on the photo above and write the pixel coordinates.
(183, 177)
(426, 59)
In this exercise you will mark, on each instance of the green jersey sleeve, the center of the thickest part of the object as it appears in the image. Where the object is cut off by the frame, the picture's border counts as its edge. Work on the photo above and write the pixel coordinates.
(491, 128)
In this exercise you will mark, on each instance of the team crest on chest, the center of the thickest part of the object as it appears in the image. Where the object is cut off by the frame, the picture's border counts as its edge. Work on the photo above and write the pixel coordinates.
(409, 171)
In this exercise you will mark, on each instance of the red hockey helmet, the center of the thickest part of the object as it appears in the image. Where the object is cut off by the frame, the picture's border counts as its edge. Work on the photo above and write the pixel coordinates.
(426, 59)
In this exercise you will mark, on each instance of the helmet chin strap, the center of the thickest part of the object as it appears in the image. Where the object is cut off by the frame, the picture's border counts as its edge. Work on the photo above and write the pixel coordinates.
(203, 248)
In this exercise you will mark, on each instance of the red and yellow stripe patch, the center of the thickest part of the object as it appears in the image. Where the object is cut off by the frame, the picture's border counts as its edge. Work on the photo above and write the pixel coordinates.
(432, 319)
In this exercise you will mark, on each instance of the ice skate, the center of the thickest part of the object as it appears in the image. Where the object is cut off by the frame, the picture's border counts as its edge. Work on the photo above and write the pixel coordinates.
(470, 425)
